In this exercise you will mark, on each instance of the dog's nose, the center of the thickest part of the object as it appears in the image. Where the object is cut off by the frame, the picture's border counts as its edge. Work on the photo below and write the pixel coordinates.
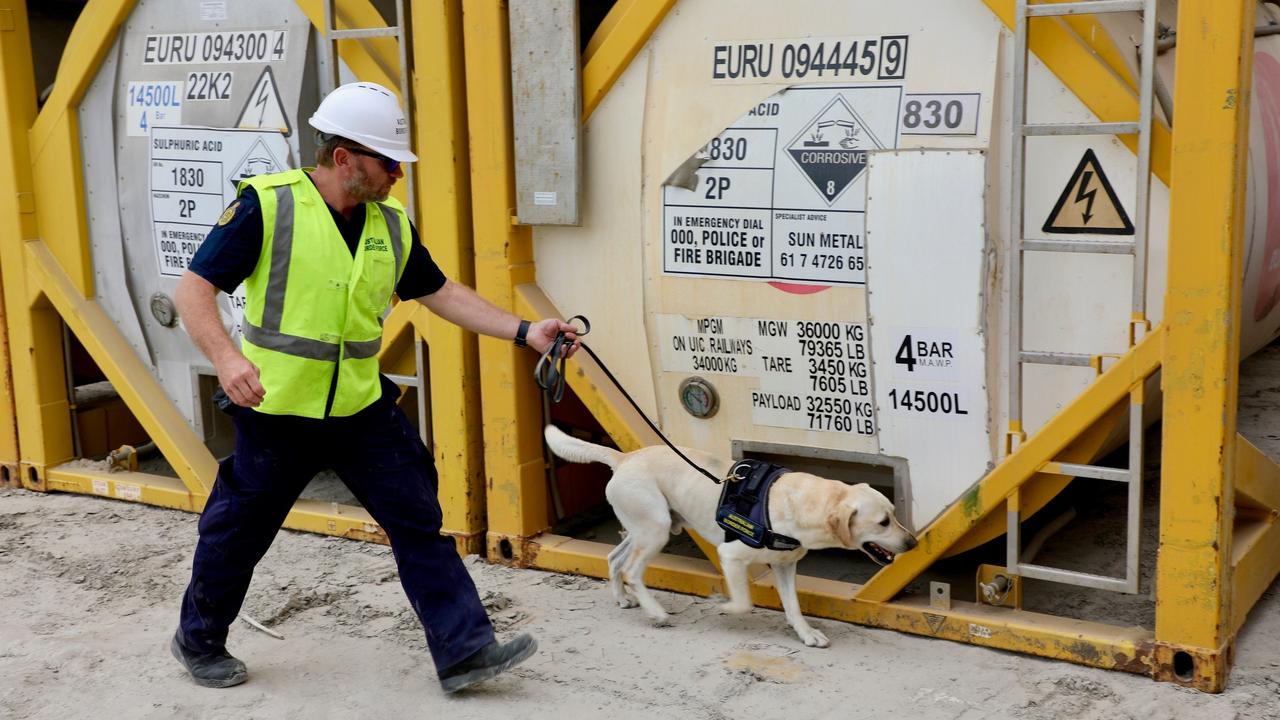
(911, 542)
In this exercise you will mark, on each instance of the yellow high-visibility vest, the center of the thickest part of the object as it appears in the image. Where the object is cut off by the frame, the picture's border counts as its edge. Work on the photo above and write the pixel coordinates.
(311, 309)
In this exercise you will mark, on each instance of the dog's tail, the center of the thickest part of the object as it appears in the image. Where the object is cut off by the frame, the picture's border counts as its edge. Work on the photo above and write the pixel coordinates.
(580, 451)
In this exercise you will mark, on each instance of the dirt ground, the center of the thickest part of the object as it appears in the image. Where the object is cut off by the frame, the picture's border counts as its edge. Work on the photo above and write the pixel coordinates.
(89, 593)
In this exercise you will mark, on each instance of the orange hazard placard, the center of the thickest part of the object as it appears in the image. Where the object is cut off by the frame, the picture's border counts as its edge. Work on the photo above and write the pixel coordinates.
(1088, 204)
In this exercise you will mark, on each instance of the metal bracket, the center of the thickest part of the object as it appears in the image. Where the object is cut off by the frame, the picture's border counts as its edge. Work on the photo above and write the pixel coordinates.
(940, 595)
(998, 587)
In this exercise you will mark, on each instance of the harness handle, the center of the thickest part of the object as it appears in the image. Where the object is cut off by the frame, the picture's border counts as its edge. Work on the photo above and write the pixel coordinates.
(550, 376)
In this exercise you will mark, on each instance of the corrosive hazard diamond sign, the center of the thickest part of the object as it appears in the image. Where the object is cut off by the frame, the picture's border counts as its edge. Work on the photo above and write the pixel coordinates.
(258, 161)
(1088, 204)
(832, 148)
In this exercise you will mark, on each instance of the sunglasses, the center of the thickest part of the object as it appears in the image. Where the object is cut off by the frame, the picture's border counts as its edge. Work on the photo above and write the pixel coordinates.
(387, 163)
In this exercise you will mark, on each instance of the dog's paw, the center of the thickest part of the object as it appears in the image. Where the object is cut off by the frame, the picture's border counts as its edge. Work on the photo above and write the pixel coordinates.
(732, 608)
(662, 620)
(626, 603)
(815, 638)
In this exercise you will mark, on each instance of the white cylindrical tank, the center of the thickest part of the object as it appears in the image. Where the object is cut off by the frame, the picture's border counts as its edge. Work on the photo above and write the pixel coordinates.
(803, 209)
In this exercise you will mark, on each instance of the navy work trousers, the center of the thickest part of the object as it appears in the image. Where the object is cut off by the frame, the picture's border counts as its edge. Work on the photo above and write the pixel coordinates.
(379, 456)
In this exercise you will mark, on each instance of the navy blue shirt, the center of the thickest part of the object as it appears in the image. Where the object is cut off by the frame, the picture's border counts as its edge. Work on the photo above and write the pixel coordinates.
(230, 252)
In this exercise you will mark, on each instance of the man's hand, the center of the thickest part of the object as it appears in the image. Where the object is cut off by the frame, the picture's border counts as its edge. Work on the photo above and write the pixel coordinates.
(239, 380)
(543, 333)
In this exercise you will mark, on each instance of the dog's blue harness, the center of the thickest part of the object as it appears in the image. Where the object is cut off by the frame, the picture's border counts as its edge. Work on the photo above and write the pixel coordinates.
(744, 506)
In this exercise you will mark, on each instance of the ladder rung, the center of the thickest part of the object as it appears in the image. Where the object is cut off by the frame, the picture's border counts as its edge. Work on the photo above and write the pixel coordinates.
(409, 380)
(1086, 7)
(1080, 246)
(362, 33)
(1071, 577)
(1095, 472)
(1056, 358)
(1098, 128)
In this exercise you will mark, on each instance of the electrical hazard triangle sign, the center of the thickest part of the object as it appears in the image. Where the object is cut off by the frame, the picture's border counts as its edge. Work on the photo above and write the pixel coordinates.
(832, 148)
(263, 109)
(1088, 204)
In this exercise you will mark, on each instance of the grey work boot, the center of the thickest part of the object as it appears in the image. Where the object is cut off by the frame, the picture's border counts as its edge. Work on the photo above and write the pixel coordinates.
(215, 670)
(489, 661)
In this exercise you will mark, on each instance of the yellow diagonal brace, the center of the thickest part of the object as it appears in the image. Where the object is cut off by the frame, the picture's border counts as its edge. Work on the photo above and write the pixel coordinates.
(372, 59)
(990, 492)
(1257, 478)
(1077, 63)
(127, 373)
(1255, 562)
(93, 35)
(624, 31)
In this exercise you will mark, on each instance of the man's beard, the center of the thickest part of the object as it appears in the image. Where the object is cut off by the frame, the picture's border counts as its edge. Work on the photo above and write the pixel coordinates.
(359, 188)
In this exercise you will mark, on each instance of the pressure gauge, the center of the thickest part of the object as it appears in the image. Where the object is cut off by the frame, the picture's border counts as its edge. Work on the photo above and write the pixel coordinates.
(699, 397)
(163, 310)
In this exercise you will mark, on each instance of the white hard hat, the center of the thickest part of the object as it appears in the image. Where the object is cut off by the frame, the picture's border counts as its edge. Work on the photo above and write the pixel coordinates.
(366, 113)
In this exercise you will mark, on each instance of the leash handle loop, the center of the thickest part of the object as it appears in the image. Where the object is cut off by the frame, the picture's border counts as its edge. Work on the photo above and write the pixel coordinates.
(551, 378)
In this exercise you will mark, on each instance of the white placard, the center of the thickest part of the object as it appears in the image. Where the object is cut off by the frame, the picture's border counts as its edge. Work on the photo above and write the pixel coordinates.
(812, 375)
(194, 176)
(128, 491)
(213, 10)
(782, 195)
(206, 85)
(925, 299)
(241, 46)
(152, 103)
(941, 113)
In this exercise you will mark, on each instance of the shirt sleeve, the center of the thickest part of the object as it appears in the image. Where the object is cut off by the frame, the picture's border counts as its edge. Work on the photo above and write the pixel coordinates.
(231, 250)
(421, 275)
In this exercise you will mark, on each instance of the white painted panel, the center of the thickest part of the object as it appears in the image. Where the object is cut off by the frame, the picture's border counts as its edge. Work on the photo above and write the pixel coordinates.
(597, 269)
(926, 270)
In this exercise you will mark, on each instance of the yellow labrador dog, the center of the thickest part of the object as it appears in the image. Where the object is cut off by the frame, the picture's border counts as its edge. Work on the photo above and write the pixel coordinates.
(653, 492)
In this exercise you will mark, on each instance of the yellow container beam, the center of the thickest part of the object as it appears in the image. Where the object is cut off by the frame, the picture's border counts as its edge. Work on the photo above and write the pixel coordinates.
(1087, 643)
(620, 36)
(314, 516)
(34, 335)
(1202, 348)
(9, 455)
(17, 206)
(444, 209)
(517, 490)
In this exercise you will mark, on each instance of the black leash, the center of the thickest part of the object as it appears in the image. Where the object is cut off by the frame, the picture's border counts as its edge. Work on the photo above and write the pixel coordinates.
(551, 378)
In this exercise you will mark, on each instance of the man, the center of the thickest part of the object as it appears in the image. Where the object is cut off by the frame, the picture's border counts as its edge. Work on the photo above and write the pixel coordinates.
(320, 252)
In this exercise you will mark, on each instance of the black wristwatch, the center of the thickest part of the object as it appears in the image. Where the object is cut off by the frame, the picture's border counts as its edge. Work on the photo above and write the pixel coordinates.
(521, 333)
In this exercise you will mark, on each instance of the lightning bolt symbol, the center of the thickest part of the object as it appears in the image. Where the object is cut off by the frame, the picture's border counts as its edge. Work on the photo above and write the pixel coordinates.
(1086, 197)
(262, 103)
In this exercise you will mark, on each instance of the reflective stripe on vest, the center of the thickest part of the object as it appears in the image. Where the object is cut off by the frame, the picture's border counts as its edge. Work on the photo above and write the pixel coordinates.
(268, 335)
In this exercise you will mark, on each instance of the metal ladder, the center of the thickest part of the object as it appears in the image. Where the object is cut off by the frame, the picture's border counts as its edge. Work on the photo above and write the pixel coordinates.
(1137, 248)
(330, 78)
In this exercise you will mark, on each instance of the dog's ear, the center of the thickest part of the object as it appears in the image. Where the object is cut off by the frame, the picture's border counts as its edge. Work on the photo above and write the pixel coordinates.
(840, 523)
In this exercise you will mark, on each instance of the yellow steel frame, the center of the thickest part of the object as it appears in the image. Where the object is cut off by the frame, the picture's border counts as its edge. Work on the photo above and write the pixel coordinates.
(1220, 538)
(47, 274)
(15, 203)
